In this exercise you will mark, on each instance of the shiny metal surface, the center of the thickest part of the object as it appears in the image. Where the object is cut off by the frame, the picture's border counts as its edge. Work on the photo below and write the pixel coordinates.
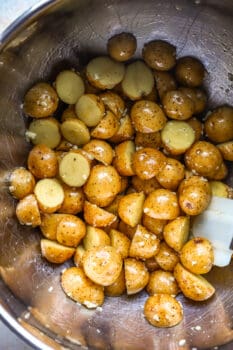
(66, 34)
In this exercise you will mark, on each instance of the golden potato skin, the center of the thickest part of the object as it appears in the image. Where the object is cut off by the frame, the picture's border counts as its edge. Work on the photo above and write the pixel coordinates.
(21, 183)
(152, 139)
(96, 216)
(163, 310)
(197, 127)
(54, 252)
(120, 242)
(189, 71)
(70, 230)
(146, 186)
(171, 174)
(159, 54)
(147, 162)
(144, 244)
(118, 287)
(113, 102)
(198, 96)
(176, 232)
(100, 150)
(167, 258)
(177, 105)
(155, 226)
(42, 162)
(27, 211)
(226, 149)
(130, 208)
(193, 200)
(73, 201)
(136, 275)
(164, 82)
(121, 47)
(219, 124)
(162, 282)
(49, 223)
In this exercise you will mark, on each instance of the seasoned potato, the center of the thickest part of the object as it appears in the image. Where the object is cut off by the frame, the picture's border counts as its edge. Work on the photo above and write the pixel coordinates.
(163, 310)
(105, 73)
(177, 137)
(189, 72)
(171, 174)
(90, 109)
(81, 289)
(121, 47)
(152, 264)
(138, 80)
(164, 82)
(69, 86)
(195, 181)
(220, 174)
(100, 150)
(49, 224)
(197, 255)
(40, 101)
(219, 124)
(102, 185)
(220, 189)
(27, 211)
(78, 256)
(125, 131)
(162, 282)
(74, 169)
(147, 162)
(107, 127)
(159, 54)
(198, 96)
(144, 244)
(166, 258)
(95, 237)
(152, 140)
(162, 204)
(155, 226)
(118, 287)
(102, 265)
(176, 232)
(136, 275)
(96, 216)
(42, 162)
(75, 131)
(55, 252)
(123, 161)
(129, 231)
(193, 200)
(147, 116)
(70, 230)
(130, 208)
(120, 242)
(177, 105)
(73, 200)
(197, 127)
(44, 131)
(203, 158)
(21, 183)
(113, 102)
(226, 149)
(49, 194)
(146, 186)
(193, 286)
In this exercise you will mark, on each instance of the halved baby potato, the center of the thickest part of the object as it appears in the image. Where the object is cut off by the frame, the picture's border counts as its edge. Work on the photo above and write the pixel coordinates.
(120, 242)
(107, 126)
(171, 174)
(162, 282)
(21, 183)
(73, 200)
(130, 208)
(90, 109)
(95, 237)
(220, 189)
(100, 150)
(49, 223)
(42, 162)
(177, 105)
(144, 244)
(136, 275)
(75, 131)
(118, 287)
(155, 226)
(146, 186)
(27, 211)
(176, 232)
(193, 200)
(96, 216)
(152, 140)
(167, 258)
(70, 230)
(113, 102)
(44, 131)
(74, 169)
(69, 86)
(123, 160)
(49, 194)
(78, 256)
(125, 131)
(54, 252)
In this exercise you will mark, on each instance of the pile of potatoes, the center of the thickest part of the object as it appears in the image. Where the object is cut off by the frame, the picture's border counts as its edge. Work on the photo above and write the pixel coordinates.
(114, 179)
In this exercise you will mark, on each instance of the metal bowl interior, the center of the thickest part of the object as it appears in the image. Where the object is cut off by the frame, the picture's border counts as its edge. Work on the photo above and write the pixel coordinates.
(64, 34)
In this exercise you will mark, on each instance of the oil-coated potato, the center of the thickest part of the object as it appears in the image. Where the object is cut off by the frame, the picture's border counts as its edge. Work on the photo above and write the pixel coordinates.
(193, 200)
(146, 186)
(197, 127)
(120, 242)
(113, 102)
(75, 131)
(220, 189)
(147, 116)
(70, 230)
(219, 124)
(176, 232)
(21, 183)
(159, 54)
(102, 185)
(95, 237)
(107, 127)
(64, 146)
(55, 252)
(81, 289)
(78, 256)
(193, 286)
(102, 265)
(226, 149)
(44, 131)
(220, 174)
(42, 162)
(49, 194)
(49, 224)
(197, 255)
(155, 226)
(27, 211)
(118, 287)
(90, 109)
(166, 258)
(171, 174)
(125, 131)
(40, 101)
(73, 200)
(199, 98)
(121, 47)
(123, 161)
(189, 72)
(164, 82)
(136, 275)
(129, 231)
(74, 169)
(162, 204)
(152, 140)
(195, 181)
(177, 105)
(100, 150)
(130, 208)
(162, 282)
(163, 310)
(144, 244)
(96, 216)
(69, 86)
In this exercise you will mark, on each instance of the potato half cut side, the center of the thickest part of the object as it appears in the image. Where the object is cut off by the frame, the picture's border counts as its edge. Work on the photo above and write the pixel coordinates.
(96, 216)
(49, 194)
(75, 131)
(74, 169)
(45, 131)
(69, 86)
(55, 252)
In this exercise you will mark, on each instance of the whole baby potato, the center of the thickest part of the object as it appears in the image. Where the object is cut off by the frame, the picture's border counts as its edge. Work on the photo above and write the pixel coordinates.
(189, 71)
(147, 162)
(159, 54)
(121, 47)
(219, 124)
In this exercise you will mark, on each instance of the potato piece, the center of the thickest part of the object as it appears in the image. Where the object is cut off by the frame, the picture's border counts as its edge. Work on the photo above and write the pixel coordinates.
(121, 47)
(102, 265)
(42, 162)
(55, 252)
(189, 71)
(118, 287)
(49, 194)
(203, 158)
(159, 54)
(193, 200)
(138, 80)
(155, 226)
(90, 109)
(152, 140)
(162, 282)
(78, 256)
(70, 230)
(136, 275)
(64, 146)
(74, 169)
(197, 127)
(124, 158)
(219, 189)
(105, 73)
(198, 96)
(49, 223)
(130, 208)
(113, 206)
(177, 105)
(96, 216)
(226, 150)
(69, 112)
(163, 310)
(125, 131)
(171, 174)
(21, 183)
(152, 264)
(197, 255)
(147, 162)
(27, 211)
(102, 185)
(100, 150)
(195, 181)
(44, 131)
(81, 289)
(73, 200)
(147, 116)
(126, 229)
(124, 183)
(75, 131)
(220, 174)
(176, 232)
(219, 124)
(166, 258)
(146, 186)
(107, 127)
(164, 82)
(193, 286)
(144, 244)
(120, 242)
(69, 86)
(113, 102)
(40, 101)
(95, 237)
(162, 204)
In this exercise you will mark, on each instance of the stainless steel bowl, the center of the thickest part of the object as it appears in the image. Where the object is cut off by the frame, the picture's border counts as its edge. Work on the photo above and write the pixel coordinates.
(66, 33)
